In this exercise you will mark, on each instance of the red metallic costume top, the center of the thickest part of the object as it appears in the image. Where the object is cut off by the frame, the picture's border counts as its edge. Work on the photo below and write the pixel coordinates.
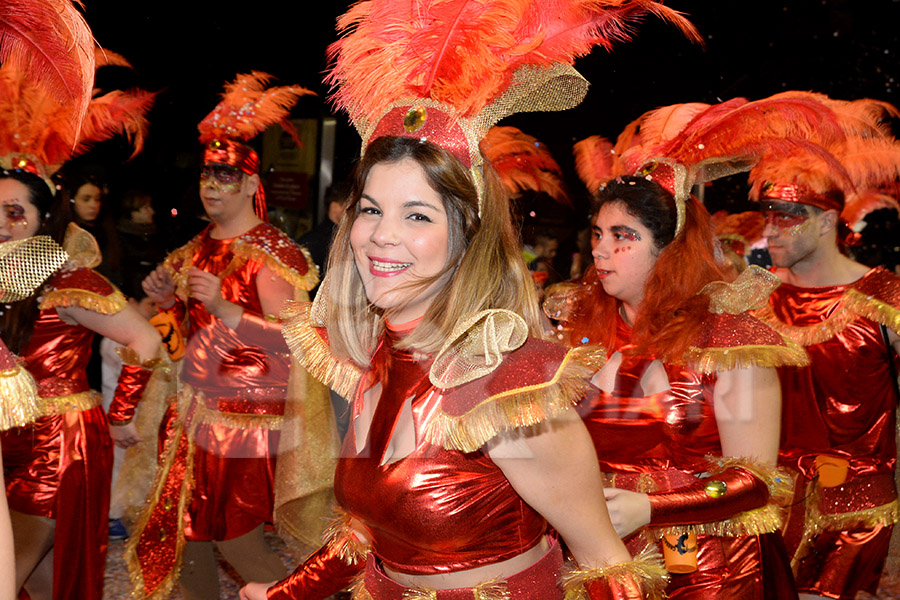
(439, 503)
(840, 326)
(221, 361)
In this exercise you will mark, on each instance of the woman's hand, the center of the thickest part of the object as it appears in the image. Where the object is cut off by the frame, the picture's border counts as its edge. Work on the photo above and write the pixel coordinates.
(255, 591)
(160, 287)
(124, 436)
(628, 511)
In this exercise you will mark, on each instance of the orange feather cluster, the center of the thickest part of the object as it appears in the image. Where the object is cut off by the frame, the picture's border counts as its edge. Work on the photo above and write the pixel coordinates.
(50, 42)
(595, 162)
(745, 227)
(463, 53)
(248, 108)
(38, 126)
(523, 163)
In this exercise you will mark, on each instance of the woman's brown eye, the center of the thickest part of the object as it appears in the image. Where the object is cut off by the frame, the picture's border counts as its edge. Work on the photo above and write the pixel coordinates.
(14, 212)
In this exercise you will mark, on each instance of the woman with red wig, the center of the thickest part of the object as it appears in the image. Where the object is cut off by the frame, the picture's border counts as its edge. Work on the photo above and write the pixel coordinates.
(685, 414)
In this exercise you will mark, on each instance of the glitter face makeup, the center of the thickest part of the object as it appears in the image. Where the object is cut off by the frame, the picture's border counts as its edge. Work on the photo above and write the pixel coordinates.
(19, 218)
(790, 218)
(222, 178)
(623, 251)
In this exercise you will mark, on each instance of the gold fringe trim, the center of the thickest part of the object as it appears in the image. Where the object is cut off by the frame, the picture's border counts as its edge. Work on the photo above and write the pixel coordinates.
(490, 590)
(716, 360)
(105, 305)
(19, 403)
(208, 416)
(340, 534)
(314, 354)
(358, 590)
(851, 305)
(886, 514)
(306, 281)
(512, 409)
(873, 309)
(73, 402)
(646, 569)
(766, 519)
(130, 357)
(779, 481)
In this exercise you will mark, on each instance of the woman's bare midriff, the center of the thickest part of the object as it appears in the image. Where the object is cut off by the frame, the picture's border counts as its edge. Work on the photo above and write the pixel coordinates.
(473, 577)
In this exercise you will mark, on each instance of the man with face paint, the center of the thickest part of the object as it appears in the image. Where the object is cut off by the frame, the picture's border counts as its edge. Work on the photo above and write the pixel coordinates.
(839, 413)
(225, 290)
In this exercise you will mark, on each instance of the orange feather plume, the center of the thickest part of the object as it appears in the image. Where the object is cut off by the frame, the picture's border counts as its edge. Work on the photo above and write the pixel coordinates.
(463, 53)
(114, 113)
(247, 108)
(862, 117)
(595, 162)
(50, 42)
(745, 227)
(523, 163)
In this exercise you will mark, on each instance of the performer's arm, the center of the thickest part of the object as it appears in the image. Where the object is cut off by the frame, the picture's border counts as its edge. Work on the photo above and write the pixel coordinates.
(553, 467)
(128, 328)
(748, 416)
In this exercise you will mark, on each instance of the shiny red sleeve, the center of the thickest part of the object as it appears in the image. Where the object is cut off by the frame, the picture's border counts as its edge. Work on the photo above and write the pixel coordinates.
(129, 391)
(715, 498)
(323, 574)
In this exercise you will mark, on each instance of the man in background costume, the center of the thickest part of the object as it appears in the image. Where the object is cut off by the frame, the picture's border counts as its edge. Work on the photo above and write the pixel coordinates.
(839, 414)
(217, 478)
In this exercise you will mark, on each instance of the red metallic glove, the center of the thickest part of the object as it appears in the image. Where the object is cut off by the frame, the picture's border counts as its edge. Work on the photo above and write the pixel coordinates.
(715, 498)
(323, 574)
(130, 388)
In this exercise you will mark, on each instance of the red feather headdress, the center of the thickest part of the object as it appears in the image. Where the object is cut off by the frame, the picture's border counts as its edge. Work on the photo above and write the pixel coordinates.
(247, 108)
(448, 70)
(523, 163)
(50, 43)
(37, 134)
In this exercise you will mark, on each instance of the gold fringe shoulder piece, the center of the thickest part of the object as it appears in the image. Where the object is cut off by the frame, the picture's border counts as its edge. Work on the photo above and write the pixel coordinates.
(751, 290)
(104, 303)
(716, 360)
(18, 398)
(312, 351)
(812, 334)
(539, 381)
(292, 263)
(873, 309)
(645, 574)
(341, 535)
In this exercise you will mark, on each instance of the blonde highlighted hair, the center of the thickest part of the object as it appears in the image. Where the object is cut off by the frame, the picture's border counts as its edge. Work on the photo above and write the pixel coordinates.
(484, 269)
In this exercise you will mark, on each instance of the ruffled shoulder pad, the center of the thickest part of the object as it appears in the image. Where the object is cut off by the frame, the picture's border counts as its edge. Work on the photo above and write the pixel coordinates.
(876, 296)
(749, 291)
(736, 341)
(537, 381)
(309, 345)
(272, 247)
(84, 288)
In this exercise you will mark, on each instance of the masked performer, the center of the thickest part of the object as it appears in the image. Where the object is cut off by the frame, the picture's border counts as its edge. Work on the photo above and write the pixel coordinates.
(463, 452)
(217, 476)
(839, 424)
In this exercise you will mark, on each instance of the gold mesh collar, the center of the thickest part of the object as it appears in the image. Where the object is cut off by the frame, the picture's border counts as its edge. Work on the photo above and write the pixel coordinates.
(25, 264)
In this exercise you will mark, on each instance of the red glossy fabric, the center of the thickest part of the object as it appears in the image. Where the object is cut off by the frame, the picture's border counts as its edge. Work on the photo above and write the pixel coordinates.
(323, 574)
(60, 466)
(435, 510)
(691, 503)
(665, 438)
(844, 405)
(129, 391)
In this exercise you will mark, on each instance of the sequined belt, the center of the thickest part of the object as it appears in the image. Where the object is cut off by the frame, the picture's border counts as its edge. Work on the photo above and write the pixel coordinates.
(863, 492)
(537, 582)
(58, 405)
(209, 412)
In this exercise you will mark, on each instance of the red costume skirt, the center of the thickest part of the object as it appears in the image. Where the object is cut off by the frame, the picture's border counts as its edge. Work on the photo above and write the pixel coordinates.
(540, 581)
(60, 467)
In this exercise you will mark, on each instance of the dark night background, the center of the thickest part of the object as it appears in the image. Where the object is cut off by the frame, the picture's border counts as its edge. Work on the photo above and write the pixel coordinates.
(187, 50)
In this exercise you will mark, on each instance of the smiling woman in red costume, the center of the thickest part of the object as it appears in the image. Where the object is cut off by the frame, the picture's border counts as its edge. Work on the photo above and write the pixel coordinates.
(686, 411)
(464, 466)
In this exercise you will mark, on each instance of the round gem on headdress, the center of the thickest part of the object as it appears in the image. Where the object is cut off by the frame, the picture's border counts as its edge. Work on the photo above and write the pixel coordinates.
(216, 144)
(415, 118)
